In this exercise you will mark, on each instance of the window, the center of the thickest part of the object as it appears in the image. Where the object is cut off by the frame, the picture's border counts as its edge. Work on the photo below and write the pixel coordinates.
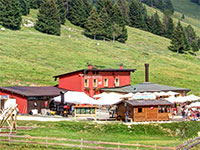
(139, 110)
(94, 82)
(86, 83)
(106, 82)
(163, 109)
(116, 81)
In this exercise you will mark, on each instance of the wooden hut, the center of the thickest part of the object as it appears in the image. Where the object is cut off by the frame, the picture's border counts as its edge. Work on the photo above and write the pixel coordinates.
(144, 110)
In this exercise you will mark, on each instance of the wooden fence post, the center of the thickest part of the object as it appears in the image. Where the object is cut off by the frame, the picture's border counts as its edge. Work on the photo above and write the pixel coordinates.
(9, 139)
(46, 142)
(81, 143)
(118, 145)
(63, 144)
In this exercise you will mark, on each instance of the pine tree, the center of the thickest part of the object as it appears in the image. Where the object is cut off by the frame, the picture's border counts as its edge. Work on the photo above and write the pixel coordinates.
(60, 4)
(106, 24)
(198, 42)
(48, 20)
(88, 7)
(190, 34)
(35, 4)
(93, 25)
(25, 7)
(178, 42)
(77, 14)
(194, 46)
(168, 25)
(100, 4)
(123, 36)
(157, 27)
(117, 16)
(136, 15)
(10, 14)
(124, 9)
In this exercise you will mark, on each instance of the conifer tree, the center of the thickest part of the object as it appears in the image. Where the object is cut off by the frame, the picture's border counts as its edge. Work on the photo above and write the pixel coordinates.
(61, 10)
(117, 16)
(88, 7)
(10, 14)
(190, 34)
(178, 42)
(137, 15)
(124, 9)
(48, 20)
(100, 4)
(123, 36)
(168, 25)
(25, 7)
(77, 14)
(157, 27)
(93, 24)
(106, 24)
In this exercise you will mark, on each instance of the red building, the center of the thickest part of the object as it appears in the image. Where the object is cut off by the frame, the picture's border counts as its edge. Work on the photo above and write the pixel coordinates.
(91, 80)
(86, 80)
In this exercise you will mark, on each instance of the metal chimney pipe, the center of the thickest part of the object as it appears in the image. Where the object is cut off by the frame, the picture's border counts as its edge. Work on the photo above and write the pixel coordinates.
(146, 72)
(62, 97)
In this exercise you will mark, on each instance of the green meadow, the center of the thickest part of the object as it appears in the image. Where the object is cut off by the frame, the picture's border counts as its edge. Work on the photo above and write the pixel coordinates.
(28, 57)
(169, 135)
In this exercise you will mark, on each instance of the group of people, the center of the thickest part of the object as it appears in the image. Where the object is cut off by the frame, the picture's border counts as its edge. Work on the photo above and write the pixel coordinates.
(187, 113)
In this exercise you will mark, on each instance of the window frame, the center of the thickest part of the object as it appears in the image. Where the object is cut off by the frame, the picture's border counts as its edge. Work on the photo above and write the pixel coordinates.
(139, 109)
(86, 83)
(105, 84)
(117, 83)
(96, 83)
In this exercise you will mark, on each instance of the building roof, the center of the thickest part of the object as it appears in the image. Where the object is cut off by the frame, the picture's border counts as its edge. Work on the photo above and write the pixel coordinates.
(148, 102)
(144, 87)
(96, 70)
(27, 91)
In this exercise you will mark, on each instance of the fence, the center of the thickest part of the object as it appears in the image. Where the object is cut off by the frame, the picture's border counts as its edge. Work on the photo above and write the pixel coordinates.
(45, 141)
(189, 144)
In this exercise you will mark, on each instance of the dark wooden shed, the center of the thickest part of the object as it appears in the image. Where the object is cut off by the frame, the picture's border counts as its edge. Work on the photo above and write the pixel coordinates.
(144, 110)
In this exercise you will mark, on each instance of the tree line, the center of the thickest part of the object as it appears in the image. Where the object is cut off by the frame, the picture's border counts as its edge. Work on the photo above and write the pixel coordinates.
(196, 1)
(101, 19)
(163, 5)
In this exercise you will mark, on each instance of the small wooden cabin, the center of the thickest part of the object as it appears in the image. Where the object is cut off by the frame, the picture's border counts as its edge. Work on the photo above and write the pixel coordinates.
(144, 110)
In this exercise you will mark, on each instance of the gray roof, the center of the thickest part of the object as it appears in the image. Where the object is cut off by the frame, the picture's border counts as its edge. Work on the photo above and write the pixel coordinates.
(144, 87)
(148, 102)
(27, 91)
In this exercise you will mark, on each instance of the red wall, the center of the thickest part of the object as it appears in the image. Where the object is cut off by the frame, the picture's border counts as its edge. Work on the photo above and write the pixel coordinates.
(20, 100)
(75, 81)
(71, 82)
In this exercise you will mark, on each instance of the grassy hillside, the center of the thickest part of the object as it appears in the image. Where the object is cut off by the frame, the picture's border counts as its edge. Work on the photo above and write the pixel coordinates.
(187, 8)
(28, 57)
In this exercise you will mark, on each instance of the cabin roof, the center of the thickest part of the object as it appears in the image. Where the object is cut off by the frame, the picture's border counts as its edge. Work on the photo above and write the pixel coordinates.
(148, 102)
(144, 87)
(27, 91)
(95, 70)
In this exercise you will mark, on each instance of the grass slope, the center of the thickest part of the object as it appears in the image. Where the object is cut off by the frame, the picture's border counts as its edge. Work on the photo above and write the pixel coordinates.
(28, 57)
(150, 134)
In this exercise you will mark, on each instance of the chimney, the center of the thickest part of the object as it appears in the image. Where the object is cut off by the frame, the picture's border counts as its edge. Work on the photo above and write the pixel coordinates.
(62, 97)
(121, 66)
(146, 72)
(89, 66)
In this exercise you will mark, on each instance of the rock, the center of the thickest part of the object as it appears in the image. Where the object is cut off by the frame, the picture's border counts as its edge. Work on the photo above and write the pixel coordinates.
(3, 29)
(27, 23)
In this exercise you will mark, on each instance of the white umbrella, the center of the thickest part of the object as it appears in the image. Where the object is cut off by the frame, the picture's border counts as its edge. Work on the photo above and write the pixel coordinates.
(192, 98)
(127, 95)
(100, 95)
(76, 98)
(171, 93)
(109, 99)
(145, 95)
(196, 104)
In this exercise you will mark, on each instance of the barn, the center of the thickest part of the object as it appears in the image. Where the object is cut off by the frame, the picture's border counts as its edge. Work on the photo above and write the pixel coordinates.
(144, 110)
(29, 98)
